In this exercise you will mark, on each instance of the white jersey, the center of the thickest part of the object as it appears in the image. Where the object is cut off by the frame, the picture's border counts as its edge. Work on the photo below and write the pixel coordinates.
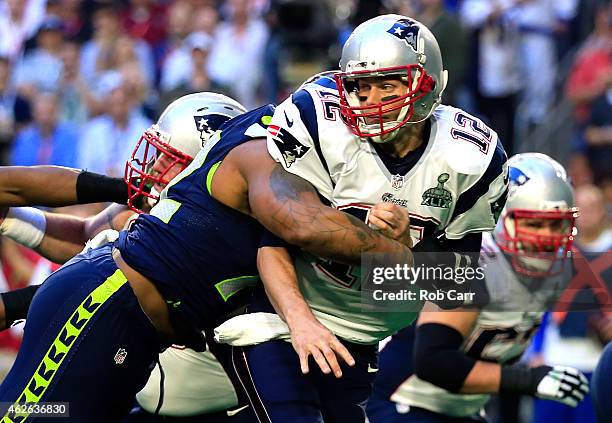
(194, 383)
(456, 185)
(501, 332)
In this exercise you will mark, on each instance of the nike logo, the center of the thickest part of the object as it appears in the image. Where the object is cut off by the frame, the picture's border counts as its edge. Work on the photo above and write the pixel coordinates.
(372, 369)
(289, 121)
(231, 413)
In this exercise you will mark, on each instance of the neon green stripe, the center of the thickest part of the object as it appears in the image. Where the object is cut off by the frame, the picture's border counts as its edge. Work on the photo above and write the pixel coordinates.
(165, 209)
(229, 287)
(78, 321)
(209, 177)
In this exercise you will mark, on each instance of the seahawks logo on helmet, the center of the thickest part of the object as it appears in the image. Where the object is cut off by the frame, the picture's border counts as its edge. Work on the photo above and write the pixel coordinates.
(289, 146)
(406, 30)
(208, 125)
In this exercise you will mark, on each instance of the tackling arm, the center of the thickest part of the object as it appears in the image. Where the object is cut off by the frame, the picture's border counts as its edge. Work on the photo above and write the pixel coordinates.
(60, 237)
(290, 207)
(66, 235)
(56, 186)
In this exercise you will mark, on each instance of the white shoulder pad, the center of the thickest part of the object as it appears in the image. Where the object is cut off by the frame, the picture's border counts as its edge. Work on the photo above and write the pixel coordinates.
(469, 143)
(291, 141)
(470, 148)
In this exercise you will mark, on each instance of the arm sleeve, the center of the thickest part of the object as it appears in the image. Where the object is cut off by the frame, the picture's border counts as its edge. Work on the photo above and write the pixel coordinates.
(293, 141)
(437, 358)
(440, 252)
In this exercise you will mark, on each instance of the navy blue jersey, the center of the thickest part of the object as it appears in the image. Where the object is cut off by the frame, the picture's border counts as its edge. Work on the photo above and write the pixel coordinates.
(196, 250)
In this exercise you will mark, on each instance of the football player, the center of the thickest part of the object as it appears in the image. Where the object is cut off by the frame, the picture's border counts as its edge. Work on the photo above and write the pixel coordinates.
(373, 132)
(173, 273)
(210, 394)
(461, 357)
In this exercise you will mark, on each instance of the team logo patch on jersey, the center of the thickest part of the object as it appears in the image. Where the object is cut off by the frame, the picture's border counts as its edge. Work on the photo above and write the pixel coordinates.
(406, 30)
(438, 196)
(120, 356)
(289, 146)
(397, 182)
(208, 125)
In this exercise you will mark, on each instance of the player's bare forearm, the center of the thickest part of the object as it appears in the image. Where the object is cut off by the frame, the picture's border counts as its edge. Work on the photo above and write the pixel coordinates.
(308, 335)
(52, 186)
(250, 181)
(484, 378)
(280, 281)
(321, 230)
(66, 235)
(290, 207)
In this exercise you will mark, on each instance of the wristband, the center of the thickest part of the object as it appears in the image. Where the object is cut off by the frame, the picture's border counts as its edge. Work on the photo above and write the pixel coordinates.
(95, 188)
(522, 379)
(25, 225)
(17, 303)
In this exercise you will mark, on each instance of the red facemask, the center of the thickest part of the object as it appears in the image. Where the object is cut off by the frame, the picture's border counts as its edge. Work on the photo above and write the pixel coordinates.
(139, 174)
(529, 247)
(354, 116)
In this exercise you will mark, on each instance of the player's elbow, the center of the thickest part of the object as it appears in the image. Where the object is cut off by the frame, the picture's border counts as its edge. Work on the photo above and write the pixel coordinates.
(299, 236)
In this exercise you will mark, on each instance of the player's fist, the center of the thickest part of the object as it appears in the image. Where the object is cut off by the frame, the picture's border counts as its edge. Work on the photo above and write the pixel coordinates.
(563, 384)
(392, 220)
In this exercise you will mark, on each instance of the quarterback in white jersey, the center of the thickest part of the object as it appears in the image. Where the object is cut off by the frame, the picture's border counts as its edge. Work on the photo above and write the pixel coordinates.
(461, 357)
(373, 133)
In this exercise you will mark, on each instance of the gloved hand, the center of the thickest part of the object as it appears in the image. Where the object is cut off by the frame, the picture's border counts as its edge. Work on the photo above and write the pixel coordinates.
(560, 383)
(563, 384)
(107, 235)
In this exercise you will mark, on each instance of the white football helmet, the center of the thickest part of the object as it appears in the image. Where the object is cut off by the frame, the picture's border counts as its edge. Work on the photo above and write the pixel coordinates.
(539, 194)
(390, 45)
(180, 132)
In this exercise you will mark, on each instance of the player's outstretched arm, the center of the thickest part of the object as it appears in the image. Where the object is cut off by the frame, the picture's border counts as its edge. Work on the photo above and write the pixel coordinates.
(56, 186)
(438, 360)
(58, 237)
(308, 335)
(290, 207)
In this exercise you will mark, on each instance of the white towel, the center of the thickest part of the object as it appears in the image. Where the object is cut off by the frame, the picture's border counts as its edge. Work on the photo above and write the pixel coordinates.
(252, 329)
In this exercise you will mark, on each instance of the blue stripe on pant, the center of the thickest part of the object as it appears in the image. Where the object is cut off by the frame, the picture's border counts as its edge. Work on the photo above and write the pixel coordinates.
(279, 392)
(86, 342)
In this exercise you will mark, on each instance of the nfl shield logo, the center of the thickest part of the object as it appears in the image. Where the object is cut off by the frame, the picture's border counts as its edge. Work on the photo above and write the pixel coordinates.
(120, 356)
(397, 182)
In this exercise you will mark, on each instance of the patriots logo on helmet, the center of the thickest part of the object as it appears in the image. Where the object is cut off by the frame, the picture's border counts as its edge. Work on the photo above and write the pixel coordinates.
(289, 146)
(517, 176)
(208, 125)
(406, 30)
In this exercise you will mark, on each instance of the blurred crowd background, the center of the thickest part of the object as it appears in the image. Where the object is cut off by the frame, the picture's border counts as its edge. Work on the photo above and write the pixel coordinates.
(80, 80)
